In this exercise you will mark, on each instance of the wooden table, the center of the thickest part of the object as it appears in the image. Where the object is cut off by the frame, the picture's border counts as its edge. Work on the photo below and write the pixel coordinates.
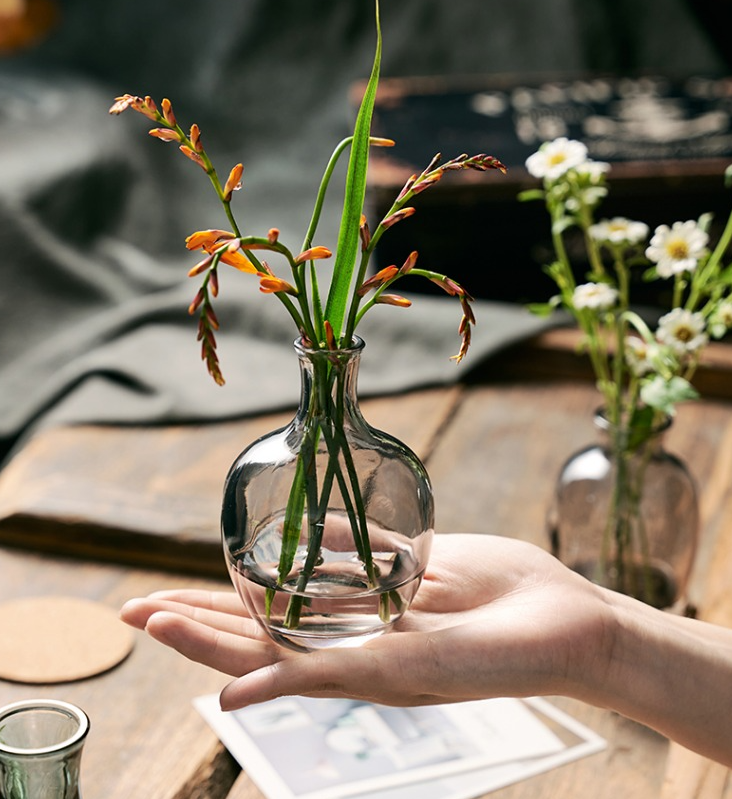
(110, 513)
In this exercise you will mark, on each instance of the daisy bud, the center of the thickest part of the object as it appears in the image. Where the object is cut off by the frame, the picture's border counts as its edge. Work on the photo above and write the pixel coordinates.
(194, 156)
(313, 254)
(233, 182)
(364, 233)
(408, 265)
(165, 134)
(168, 114)
(394, 299)
(272, 235)
(397, 216)
(195, 137)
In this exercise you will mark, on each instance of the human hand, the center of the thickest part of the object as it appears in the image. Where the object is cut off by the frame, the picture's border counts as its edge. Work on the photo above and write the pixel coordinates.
(493, 617)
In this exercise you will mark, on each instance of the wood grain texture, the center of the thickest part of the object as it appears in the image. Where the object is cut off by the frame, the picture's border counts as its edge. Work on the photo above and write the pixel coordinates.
(152, 496)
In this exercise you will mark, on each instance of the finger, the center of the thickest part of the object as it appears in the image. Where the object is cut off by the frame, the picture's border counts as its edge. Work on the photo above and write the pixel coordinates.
(224, 651)
(224, 601)
(136, 612)
(389, 671)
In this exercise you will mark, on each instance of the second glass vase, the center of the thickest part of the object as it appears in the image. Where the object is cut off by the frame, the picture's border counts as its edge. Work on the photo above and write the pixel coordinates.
(625, 515)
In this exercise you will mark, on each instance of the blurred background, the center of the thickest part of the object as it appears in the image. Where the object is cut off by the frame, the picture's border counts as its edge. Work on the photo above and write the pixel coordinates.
(93, 211)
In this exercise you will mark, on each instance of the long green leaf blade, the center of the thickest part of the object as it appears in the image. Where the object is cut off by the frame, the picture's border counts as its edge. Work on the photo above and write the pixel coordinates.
(348, 235)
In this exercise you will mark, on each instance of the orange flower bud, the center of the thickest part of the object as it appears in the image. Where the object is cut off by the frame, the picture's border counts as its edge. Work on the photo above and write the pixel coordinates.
(211, 317)
(394, 299)
(397, 216)
(272, 235)
(425, 183)
(194, 156)
(313, 254)
(408, 265)
(381, 277)
(407, 187)
(364, 233)
(214, 282)
(195, 137)
(121, 103)
(207, 239)
(233, 182)
(165, 134)
(197, 300)
(168, 114)
(377, 141)
(201, 266)
(274, 285)
(330, 336)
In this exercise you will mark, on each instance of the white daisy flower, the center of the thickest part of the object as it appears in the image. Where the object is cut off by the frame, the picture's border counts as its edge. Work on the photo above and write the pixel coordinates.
(595, 296)
(619, 230)
(678, 248)
(683, 331)
(556, 157)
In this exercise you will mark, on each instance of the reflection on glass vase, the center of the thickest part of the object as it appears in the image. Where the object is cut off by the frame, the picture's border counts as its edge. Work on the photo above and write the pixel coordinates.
(625, 515)
(327, 524)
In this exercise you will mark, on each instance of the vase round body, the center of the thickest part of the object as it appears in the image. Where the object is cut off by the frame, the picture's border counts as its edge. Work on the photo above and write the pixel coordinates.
(625, 515)
(327, 524)
(41, 743)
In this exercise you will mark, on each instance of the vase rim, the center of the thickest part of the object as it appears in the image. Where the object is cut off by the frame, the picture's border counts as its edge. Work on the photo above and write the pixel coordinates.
(357, 347)
(603, 423)
(72, 711)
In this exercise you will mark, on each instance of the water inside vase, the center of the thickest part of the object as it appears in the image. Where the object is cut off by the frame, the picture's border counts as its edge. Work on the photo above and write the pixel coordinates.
(337, 607)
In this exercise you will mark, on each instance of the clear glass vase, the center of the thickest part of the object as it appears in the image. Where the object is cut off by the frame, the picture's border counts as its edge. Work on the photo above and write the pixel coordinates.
(327, 523)
(41, 741)
(625, 515)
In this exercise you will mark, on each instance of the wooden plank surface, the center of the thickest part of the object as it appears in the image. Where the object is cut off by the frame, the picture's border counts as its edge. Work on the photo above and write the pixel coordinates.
(146, 738)
(493, 451)
(152, 496)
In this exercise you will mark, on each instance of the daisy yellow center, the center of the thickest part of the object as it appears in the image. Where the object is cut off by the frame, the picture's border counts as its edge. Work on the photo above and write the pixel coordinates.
(678, 249)
(684, 334)
(557, 158)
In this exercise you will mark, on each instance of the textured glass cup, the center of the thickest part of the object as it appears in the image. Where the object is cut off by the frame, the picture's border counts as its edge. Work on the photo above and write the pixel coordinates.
(41, 741)
(626, 516)
(327, 523)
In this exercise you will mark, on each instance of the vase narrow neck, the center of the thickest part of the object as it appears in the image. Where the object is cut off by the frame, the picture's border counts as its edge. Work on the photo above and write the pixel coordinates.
(329, 382)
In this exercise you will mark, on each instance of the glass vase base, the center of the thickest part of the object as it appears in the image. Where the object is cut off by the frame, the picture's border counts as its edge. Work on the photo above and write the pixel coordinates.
(652, 584)
(331, 614)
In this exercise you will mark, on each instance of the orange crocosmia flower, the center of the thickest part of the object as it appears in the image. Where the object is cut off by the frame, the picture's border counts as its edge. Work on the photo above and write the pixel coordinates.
(273, 285)
(238, 261)
(208, 239)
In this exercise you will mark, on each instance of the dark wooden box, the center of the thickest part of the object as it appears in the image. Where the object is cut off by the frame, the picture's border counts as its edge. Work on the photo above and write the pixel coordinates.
(668, 142)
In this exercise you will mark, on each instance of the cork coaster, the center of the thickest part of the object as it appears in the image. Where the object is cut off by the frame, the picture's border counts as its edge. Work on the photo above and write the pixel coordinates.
(58, 639)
